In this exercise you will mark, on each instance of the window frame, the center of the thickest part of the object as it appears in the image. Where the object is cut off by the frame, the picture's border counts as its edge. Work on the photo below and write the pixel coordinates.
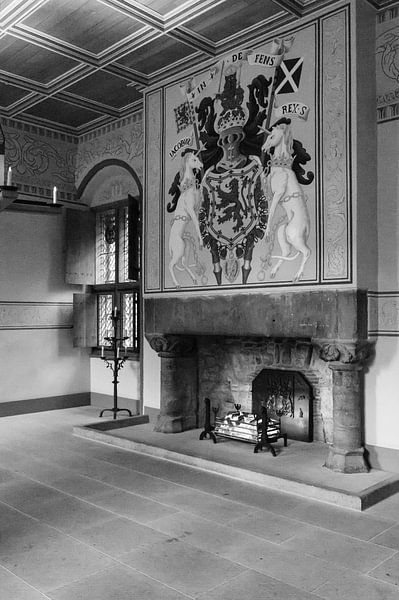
(117, 289)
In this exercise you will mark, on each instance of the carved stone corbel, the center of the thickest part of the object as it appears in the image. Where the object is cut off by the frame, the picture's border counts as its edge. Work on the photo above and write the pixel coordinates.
(171, 345)
(346, 352)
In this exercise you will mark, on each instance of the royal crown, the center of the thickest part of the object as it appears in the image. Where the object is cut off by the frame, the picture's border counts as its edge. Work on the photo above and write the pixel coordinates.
(231, 118)
(232, 115)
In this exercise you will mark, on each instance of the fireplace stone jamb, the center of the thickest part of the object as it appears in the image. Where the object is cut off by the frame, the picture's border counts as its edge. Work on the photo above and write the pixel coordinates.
(347, 362)
(179, 382)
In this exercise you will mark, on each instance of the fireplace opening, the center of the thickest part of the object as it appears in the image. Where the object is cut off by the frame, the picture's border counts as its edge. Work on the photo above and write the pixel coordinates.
(288, 397)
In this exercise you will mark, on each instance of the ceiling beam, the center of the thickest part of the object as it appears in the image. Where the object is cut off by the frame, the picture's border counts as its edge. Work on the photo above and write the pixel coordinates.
(47, 42)
(83, 102)
(254, 33)
(194, 40)
(292, 7)
(18, 10)
(173, 19)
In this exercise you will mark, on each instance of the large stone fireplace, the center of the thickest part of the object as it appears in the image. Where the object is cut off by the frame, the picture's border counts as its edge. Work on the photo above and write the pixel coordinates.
(230, 348)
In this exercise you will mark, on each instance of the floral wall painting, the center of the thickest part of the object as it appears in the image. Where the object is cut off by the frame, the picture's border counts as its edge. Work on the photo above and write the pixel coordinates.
(240, 204)
(387, 65)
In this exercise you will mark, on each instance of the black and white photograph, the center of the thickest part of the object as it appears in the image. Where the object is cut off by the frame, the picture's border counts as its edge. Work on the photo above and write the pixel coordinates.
(199, 299)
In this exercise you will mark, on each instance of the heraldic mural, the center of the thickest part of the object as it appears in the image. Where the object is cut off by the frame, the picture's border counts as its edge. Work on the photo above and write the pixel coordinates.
(240, 204)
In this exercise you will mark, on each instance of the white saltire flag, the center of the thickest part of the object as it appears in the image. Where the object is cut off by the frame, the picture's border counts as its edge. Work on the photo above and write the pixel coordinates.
(288, 76)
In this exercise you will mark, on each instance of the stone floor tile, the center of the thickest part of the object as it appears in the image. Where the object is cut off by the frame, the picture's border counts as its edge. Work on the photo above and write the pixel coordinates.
(267, 525)
(10, 517)
(388, 571)
(288, 566)
(69, 514)
(13, 588)
(177, 564)
(389, 538)
(209, 506)
(118, 583)
(145, 484)
(118, 536)
(95, 469)
(255, 586)
(387, 509)
(201, 533)
(355, 524)
(124, 478)
(23, 535)
(78, 485)
(6, 475)
(355, 586)
(338, 549)
(41, 471)
(131, 505)
(52, 562)
(23, 494)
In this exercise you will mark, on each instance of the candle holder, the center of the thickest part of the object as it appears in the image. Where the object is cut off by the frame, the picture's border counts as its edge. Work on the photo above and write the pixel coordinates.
(115, 363)
(9, 193)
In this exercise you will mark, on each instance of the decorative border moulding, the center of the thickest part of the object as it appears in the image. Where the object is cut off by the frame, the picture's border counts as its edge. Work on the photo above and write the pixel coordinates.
(336, 147)
(36, 315)
(383, 311)
(387, 61)
(153, 181)
(41, 131)
(134, 118)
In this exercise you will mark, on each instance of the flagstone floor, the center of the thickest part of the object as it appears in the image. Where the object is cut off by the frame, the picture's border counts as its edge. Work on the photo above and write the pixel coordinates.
(81, 520)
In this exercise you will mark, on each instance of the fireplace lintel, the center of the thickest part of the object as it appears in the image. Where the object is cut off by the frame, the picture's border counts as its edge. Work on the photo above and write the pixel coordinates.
(336, 315)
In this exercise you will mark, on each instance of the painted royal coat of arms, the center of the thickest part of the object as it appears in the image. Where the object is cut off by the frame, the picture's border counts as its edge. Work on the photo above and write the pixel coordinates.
(233, 215)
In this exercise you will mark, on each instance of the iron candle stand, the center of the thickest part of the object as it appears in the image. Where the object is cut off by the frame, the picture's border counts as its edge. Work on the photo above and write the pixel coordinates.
(115, 363)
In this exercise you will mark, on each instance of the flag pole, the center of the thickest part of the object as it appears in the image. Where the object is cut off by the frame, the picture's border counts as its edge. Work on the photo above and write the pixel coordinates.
(279, 47)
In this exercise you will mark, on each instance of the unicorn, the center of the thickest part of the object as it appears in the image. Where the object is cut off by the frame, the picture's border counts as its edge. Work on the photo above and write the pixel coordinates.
(282, 181)
(185, 210)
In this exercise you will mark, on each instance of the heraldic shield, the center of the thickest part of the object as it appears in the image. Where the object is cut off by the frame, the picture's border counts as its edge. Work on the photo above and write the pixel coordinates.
(233, 216)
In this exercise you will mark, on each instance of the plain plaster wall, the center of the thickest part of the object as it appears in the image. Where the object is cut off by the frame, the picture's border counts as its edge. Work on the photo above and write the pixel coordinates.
(381, 395)
(151, 377)
(36, 362)
(129, 379)
(381, 391)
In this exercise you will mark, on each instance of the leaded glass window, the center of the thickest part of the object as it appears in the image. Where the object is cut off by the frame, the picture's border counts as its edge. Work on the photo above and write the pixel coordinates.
(106, 247)
(113, 287)
(130, 311)
(124, 244)
(104, 322)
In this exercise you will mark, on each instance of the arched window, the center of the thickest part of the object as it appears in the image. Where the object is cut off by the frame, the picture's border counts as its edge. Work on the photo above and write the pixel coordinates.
(103, 255)
(117, 268)
(103, 243)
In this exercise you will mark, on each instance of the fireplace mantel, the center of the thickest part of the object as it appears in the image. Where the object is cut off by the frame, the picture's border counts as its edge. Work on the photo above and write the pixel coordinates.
(336, 315)
(320, 334)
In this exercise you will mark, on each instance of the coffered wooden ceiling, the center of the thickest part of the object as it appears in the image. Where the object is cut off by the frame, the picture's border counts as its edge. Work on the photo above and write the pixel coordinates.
(74, 65)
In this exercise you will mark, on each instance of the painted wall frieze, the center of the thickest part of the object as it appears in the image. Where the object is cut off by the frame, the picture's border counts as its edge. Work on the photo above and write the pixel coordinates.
(36, 315)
